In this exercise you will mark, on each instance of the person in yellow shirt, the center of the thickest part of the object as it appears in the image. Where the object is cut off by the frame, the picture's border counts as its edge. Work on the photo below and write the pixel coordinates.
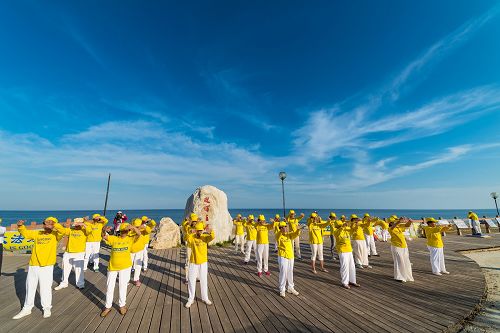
(120, 264)
(284, 238)
(399, 249)
(263, 244)
(187, 226)
(251, 238)
(41, 266)
(316, 226)
(93, 245)
(239, 239)
(332, 219)
(358, 243)
(293, 224)
(342, 234)
(476, 224)
(385, 229)
(150, 223)
(137, 249)
(435, 245)
(368, 228)
(198, 241)
(74, 256)
(276, 225)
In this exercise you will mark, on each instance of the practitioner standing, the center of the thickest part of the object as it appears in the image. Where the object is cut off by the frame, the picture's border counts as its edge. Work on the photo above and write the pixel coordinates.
(251, 238)
(385, 229)
(276, 224)
(476, 225)
(263, 245)
(74, 256)
(146, 221)
(316, 226)
(93, 245)
(342, 234)
(399, 249)
(188, 225)
(198, 241)
(41, 266)
(359, 243)
(120, 265)
(293, 223)
(239, 240)
(368, 226)
(137, 249)
(284, 239)
(334, 223)
(436, 246)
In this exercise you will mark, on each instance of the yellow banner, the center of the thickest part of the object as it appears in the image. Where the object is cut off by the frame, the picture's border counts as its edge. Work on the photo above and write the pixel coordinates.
(13, 241)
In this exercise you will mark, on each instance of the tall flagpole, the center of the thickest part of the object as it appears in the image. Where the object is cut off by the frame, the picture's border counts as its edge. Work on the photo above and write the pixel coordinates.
(107, 193)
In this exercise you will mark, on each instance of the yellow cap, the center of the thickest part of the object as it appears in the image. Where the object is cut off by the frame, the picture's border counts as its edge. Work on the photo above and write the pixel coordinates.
(394, 217)
(342, 217)
(332, 214)
(96, 216)
(262, 218)
(144, 218)
(282, 224)
(277, 216)
(354, 216)
(137, 222)
(239, 215)
(124, 226)
(431, 219)
(251, 217)
(193, 217)
(314, 215)
(52, 218)
(367, 215)
(103, 219)
(292, 211)
(199, 226)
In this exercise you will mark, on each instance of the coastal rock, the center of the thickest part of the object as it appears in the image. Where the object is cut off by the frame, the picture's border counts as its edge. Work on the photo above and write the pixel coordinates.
(210, 203)
(168, 235)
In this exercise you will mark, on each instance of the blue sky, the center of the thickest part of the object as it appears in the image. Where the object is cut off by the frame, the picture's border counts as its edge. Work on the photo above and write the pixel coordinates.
(365, 104)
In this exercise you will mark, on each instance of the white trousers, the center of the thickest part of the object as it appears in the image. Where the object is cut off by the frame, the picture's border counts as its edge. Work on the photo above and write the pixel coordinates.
(137, 260)
(476, 225)
(385, 235)
(437, 259)
(370, 245)
(360, 252)
(73, 261)
(262, 255)
(186, 266)
(92, 254)
(145, 256)
(123, 278)
(42, 275)
(248, 253)
(286, 273)
(198, 272)
(316, 250)
(296, 246)
(402, 265)
(347, 268)
(239, 240)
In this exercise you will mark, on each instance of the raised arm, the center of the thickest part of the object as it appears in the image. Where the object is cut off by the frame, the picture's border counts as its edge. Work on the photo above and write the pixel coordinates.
(28, 234)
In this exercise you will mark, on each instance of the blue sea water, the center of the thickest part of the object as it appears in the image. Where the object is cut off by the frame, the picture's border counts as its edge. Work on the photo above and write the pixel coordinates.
(11, 216)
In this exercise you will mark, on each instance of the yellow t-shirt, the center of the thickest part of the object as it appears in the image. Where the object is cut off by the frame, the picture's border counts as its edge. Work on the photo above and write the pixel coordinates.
(139, 244)
(120, 252)
(76, 238)
(433, 235)
(357, 232)
(151, 225)
(44, 250)
(342, 239)
(251, 231)
(384, 225)
(473, 216)
(367, 227)
(95, 234)
(397, 237)
(199, 247)
(263, 233)
(284, 241)
(240, 229)
(316, 232)
(294, 223)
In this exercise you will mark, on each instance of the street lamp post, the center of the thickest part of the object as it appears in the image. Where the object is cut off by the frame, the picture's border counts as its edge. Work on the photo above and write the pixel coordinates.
(494, 195)
(282, 176)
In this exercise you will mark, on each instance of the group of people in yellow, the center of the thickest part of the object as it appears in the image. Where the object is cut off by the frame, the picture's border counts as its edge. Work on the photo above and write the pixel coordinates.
(84, 238)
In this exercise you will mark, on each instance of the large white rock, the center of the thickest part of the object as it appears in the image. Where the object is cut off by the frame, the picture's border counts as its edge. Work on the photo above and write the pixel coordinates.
(210, 203)
(167, 236)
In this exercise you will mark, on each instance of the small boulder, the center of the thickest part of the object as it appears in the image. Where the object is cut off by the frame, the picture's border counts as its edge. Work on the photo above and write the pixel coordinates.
(167, 235)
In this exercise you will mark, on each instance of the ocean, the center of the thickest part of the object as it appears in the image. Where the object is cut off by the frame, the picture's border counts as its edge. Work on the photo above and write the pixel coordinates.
(11, 216)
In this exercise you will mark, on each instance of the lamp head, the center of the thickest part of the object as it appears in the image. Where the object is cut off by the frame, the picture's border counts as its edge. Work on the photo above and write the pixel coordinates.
(282, 175)
(494, 195)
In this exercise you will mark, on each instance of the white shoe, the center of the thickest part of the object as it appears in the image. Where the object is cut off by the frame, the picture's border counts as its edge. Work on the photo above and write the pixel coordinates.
(22, 314)
(61, 286)
(46, 313)
(293, 292)
(282, 294)
(208, 302)
(445, 272)
(437, 273)
(188, 304)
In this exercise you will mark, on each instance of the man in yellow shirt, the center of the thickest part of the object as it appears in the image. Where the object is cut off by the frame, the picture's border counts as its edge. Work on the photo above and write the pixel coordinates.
(150, 223)
(368, 227)
(251, 238)
(74, 256)
(358, 243)
(284, 239)
(316, 226)
(276, 225)
(399, 248)
(239, 239)
(263, 245)
(120, 265)
(435, 245)
(93, 245)
(293, 224)
(385, 229)
(332, 219)
(476, 224)
(342, 234)
(187, 226)
(137, 249)
(41, 266)
(198, 241)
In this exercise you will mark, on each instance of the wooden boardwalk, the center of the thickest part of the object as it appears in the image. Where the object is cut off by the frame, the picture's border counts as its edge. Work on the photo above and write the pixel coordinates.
(244, 302)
